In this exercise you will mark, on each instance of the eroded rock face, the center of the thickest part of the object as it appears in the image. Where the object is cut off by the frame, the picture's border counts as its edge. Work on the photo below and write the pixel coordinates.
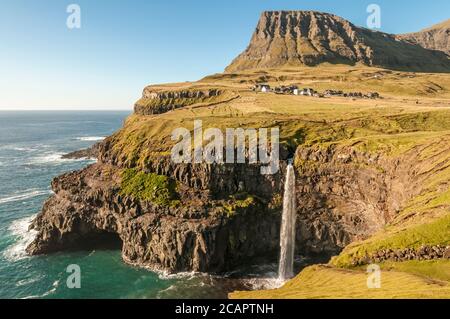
(91, 152)
(436, 37)
(291, 38)
(342, 196)
(156, 101)
(197, 237)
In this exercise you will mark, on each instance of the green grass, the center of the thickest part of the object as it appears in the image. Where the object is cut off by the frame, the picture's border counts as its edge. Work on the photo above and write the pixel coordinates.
(432, 269)
(431, 233)
(234, 205)
(157, 189)
(324, 282)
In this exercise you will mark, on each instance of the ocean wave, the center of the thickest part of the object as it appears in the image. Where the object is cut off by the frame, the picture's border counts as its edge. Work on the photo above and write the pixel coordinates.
(181, 275)
(163, 274)
(24, 149)
(31, 297)
(52, 290)
(27, 281)
(30, 193)
(17, 148)
(55, 158)
(20, 229)
(91, 138)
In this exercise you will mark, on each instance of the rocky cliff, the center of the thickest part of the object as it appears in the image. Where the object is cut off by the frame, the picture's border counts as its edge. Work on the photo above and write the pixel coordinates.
(156, 100)
(436, 37)
(202, 233)
(340, 199)
(292, 38)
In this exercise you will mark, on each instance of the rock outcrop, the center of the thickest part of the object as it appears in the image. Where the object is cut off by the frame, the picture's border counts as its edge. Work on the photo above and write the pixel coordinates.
(157, 101)
(91, 152)
(436, 37)
(292, 38)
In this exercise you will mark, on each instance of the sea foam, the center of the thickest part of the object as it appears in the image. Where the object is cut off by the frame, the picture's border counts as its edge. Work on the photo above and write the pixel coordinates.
(55, 158)
(30, 193)
(91, 138)
(20, 229)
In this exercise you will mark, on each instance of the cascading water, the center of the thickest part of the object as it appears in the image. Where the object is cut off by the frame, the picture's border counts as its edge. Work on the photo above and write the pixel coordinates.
(287, 234)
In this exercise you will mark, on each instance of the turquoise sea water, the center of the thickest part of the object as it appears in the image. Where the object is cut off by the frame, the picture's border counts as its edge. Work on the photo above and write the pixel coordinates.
(31, 145)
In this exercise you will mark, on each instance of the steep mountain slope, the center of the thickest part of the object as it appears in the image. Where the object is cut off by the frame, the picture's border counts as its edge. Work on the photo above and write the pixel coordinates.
(310, 38)
(436, 37)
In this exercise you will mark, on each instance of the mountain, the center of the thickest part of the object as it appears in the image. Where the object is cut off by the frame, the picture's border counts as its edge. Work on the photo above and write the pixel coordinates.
(310, 38)
(434, 38)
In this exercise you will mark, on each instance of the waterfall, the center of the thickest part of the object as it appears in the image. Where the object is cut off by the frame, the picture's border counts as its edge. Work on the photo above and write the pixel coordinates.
(287, 234)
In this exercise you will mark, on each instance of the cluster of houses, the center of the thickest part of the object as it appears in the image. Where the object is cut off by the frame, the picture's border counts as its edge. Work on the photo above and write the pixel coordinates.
(371, 95)
(293, 89)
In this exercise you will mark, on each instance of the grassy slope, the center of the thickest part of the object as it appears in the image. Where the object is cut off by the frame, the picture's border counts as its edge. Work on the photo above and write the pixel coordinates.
(414, 116)
(327, 282)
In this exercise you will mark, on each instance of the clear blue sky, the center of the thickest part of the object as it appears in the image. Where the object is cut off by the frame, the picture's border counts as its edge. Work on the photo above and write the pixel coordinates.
(125, 45)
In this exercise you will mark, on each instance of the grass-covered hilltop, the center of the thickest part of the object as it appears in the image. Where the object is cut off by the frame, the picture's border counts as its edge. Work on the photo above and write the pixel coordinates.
(372, 170)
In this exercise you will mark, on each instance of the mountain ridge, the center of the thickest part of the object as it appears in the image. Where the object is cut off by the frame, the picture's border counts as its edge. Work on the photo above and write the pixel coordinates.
(435, 37)
(311, 37)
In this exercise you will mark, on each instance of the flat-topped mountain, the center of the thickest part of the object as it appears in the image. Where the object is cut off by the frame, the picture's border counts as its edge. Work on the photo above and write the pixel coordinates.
(310, 38)
(436, 37)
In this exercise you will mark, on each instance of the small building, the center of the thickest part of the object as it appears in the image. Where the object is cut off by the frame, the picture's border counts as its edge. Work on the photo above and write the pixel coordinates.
(283, 89)
(291, 89)
(261, 88)
(307, 92)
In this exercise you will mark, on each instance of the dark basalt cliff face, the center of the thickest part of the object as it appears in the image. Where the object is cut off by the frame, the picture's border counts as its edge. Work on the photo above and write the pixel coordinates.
(195, 236)
(291, 38)
(340, 197)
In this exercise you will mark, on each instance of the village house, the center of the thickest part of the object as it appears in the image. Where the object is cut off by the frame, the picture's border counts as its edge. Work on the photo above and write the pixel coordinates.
(293, 89)
(308, 92)
(264, 88)
(285, 89)
(372, 95)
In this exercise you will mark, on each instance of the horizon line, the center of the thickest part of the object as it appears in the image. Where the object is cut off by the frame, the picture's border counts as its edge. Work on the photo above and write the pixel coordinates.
(64, 110)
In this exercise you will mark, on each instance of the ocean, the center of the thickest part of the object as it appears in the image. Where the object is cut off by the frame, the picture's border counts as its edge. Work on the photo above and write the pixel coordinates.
(31, 146)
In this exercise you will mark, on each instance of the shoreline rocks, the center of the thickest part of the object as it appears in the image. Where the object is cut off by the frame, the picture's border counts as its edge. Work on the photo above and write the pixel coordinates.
(91, 152)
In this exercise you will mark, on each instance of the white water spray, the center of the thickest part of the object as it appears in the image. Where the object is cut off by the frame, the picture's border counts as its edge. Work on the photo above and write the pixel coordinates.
(287, 234)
